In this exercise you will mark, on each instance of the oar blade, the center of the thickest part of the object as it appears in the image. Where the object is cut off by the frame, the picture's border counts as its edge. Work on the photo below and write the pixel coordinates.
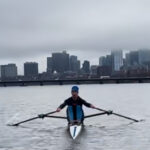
(30, 119)
(129, 118)
(13, 125)
(119, 115)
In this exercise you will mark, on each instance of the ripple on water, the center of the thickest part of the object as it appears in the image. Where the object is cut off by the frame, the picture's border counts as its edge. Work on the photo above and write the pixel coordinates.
(100, 133)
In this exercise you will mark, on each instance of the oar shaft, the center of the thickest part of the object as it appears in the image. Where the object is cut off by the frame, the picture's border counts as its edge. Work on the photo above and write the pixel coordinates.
(93, 115)
(51, 113)
(32, 118)
(125, 117)
(119, 115)
(58, 117)
(25, 121)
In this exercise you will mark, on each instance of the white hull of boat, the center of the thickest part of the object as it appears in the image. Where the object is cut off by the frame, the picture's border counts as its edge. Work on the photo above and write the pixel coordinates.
(75, 130)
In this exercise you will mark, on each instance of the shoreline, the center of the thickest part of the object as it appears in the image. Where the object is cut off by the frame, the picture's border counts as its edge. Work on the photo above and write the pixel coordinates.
(75, 81)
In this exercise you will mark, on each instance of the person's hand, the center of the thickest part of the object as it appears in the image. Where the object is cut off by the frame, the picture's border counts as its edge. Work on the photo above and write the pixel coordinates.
(41, 116)
(92, 106)
(109, 112)
(58, 109)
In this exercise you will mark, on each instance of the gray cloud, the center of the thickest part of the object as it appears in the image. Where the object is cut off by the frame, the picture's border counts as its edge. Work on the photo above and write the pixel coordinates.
(37, 27)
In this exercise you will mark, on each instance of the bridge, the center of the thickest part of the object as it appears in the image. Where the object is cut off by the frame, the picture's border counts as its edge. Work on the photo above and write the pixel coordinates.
(76, 81)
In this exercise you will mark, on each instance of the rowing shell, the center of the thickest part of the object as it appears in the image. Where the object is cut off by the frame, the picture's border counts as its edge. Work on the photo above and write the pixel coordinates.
(75, 130)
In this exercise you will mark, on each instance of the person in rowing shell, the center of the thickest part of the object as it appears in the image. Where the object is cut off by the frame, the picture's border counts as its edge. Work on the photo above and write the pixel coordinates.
(74, 111)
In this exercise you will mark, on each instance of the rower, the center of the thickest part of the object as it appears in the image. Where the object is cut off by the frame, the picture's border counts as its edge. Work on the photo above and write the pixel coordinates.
(75, 112)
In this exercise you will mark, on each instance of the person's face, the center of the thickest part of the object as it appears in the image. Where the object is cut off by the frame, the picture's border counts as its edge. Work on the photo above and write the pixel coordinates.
(74, 94)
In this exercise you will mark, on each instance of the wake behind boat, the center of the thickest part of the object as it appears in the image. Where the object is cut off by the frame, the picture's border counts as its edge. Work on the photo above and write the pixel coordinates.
(75, 115)
(75, 128)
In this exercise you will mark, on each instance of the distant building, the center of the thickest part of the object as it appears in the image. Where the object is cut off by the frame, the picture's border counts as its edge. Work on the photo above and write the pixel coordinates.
(139, 57)
(94, 69)
(78, 64)
(105, 61)
(102, 60)
(31, 69)
(134, 58)
(49, 64)
(104, 71)
(144, 56)
(74, 64)
(108, 61)
(8, 71)
(127, 59)
(117, 59)
(60, 62)
(86, 67)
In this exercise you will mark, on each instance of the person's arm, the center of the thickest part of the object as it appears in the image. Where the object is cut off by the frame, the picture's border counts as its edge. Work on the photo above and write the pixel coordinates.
(62, 106)
(87, 104)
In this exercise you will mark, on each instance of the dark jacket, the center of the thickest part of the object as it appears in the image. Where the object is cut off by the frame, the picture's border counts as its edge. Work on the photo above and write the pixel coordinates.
(71, 102)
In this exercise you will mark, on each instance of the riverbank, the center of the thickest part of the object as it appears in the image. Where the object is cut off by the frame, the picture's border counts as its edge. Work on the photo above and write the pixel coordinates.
(76, 81)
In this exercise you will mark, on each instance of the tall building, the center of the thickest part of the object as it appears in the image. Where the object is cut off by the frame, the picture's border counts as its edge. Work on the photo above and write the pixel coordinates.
(74, 64)
(132, 58)
(0, 72)
(127, 59)
(78, 64)
(86, 66)
(94, 69)
(105, 61)
(30, 69)
(108, 61)
(60, 62)
(8, 71)
(117, 59)
(144, 56)
(49, 64)
(104, 71)
(102, 61)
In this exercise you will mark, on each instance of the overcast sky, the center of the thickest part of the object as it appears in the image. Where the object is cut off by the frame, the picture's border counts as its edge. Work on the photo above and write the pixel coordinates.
(30, 30)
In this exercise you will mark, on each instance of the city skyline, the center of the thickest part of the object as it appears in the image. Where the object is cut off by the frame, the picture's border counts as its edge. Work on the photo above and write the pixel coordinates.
(123, 54)
(42, 64)
(42, 61)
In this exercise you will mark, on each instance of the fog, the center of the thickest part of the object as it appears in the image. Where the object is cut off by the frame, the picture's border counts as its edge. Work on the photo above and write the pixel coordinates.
(33, 29)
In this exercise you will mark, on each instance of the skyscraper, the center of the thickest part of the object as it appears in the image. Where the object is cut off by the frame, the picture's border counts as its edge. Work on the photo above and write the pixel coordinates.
(127, 59)
(30, 69)
(74, 64)
(49, 64)
(94, 69)
(60, 62)
(78, 64)
(117, 59)
(105, 61)
(102, 61)
(8, 71)
(132, 58)
(144, 56)
(86, 66)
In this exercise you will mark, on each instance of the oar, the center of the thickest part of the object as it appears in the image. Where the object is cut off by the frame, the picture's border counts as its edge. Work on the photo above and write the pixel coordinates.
(57, 117)
(119, 115)
(93, 115)
(16, 124)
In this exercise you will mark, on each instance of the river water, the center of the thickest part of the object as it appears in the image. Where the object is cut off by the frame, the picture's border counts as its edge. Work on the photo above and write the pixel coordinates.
(100, 133)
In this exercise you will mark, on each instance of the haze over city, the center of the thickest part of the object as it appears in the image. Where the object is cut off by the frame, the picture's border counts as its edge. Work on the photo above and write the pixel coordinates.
(32, 30)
